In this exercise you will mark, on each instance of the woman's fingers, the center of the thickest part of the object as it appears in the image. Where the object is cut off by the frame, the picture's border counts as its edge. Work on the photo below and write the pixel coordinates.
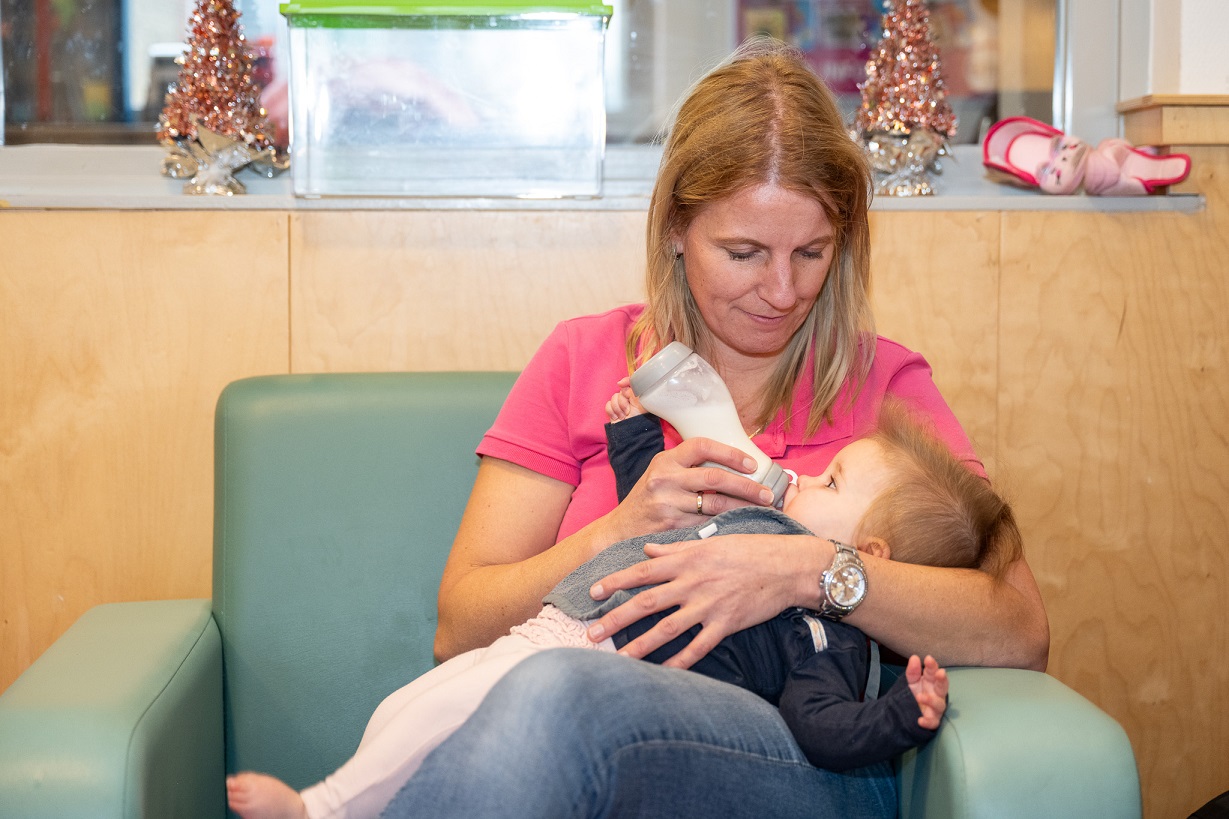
(700, 461)
(644, 573)
(701, 582)
(697, 451)
(705, 641)
(650, 602)
(681, 487)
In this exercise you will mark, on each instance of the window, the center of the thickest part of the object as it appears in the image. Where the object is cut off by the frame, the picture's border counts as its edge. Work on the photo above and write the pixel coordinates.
(96, 70)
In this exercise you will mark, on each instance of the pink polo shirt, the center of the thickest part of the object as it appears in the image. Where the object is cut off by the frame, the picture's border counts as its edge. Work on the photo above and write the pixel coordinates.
(554, 419)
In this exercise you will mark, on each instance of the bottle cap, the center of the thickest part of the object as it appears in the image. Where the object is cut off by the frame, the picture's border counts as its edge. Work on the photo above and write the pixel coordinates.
(777, 480)
(659, 366)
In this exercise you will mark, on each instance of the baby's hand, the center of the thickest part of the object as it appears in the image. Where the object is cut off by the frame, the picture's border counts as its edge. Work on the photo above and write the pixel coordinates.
(623, 404)
(928, 683)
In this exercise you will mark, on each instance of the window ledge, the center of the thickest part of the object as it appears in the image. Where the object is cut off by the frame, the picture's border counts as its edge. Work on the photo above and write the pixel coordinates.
(97, 177)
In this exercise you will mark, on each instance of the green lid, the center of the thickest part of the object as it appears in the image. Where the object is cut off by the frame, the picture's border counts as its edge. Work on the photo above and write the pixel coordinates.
(485, 8)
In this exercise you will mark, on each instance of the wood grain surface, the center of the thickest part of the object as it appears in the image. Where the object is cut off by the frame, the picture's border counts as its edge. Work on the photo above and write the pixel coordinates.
(935, 290)
(118, 331)
(444, 290)
(1114, 418)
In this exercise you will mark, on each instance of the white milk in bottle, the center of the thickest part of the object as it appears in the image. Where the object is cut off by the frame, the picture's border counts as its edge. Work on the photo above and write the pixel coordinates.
(684, 389)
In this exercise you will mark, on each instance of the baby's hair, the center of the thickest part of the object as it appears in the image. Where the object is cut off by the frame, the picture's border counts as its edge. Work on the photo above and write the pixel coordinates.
(938, 512)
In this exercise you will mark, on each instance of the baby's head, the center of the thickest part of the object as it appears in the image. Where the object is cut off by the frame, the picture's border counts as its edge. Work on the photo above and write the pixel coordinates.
(900, 493)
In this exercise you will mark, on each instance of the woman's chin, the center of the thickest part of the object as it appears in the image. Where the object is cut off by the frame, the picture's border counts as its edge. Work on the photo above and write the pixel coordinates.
(751, 341)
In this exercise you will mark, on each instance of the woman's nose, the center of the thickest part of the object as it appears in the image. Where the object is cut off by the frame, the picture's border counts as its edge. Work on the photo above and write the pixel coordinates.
(777, 287)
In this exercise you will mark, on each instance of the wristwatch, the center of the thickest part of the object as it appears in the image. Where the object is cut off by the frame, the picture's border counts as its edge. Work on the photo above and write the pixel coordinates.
(843, 585)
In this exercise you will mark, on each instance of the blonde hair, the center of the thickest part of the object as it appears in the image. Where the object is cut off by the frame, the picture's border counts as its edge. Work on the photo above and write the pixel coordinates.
(763, 116)
(937, 512)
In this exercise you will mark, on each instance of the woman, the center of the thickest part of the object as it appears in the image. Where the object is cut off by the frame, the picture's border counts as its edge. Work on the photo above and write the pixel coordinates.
(758, 257)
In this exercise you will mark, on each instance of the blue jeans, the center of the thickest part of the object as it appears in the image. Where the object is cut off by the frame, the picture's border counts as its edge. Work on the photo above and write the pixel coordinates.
(578, 733)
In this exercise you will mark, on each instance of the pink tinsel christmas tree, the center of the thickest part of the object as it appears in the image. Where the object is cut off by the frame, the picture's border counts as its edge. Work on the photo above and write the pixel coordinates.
(904, 120)
(212, 119)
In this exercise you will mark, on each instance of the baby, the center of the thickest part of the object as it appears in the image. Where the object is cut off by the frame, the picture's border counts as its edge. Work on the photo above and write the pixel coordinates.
(898, 494)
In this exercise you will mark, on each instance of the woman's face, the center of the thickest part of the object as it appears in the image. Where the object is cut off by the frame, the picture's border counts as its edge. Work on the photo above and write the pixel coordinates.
(755, 264)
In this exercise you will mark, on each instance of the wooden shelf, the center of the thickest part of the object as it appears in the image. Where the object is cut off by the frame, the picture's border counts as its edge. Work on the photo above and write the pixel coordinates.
(1164, 120)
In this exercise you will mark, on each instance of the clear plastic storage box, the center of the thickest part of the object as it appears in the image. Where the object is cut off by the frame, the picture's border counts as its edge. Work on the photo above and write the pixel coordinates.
(494, 99)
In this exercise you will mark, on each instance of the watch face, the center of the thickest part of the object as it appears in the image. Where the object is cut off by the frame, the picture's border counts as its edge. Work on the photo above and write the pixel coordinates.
(847, 586)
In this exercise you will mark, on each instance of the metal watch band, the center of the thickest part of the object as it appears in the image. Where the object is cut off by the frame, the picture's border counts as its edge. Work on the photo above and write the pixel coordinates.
(843, 585)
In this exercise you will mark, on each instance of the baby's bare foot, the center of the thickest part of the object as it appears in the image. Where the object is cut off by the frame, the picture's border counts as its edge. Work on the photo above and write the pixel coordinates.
(257, 796)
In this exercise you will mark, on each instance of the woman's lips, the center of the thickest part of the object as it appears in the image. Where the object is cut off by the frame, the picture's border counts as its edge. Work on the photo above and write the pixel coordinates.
(768, 320)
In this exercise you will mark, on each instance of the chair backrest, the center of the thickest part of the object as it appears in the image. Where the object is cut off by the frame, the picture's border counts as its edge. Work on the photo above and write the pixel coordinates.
(336, 500)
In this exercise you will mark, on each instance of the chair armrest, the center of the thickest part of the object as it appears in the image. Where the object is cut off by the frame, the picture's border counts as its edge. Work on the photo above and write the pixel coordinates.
(121, 717)
(1020, 744)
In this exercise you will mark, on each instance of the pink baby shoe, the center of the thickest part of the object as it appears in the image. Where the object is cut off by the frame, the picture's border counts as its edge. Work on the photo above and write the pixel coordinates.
(1026, 149)
(1041, 156)
(1116, 168)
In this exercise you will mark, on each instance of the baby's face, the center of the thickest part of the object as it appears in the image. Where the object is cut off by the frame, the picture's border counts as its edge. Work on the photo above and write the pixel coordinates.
(831, 504)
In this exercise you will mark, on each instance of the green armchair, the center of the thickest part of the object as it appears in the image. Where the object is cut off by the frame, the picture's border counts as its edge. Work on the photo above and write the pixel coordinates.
(336, 499)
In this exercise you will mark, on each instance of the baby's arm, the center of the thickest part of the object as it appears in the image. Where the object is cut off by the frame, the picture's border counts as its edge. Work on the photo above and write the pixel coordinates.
(928, 683)
(633, 437)
(838, 729)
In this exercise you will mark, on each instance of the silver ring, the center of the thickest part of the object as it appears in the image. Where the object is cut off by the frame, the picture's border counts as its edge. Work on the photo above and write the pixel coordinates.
(699, 503)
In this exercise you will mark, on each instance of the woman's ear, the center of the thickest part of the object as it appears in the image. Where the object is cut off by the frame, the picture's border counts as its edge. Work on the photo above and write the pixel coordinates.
(876, 546)
(676, 243)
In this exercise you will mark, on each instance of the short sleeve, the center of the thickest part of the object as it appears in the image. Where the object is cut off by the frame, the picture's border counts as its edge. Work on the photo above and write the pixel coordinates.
(531, 429)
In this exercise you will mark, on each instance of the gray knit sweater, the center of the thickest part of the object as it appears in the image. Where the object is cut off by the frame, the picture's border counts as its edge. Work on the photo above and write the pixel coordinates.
(572, 593)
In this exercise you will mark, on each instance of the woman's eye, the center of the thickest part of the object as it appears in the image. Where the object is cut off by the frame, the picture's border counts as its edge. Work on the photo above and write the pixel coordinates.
(832, 483)
(811, 254)
(738, 256)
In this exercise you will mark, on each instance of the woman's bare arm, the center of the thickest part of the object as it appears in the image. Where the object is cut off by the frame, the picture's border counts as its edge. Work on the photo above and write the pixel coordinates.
(502, 562)
(961, 616)
(728, 583)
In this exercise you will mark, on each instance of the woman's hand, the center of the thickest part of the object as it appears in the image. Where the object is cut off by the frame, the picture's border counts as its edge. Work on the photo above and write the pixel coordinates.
(678, 490)
(723, 584)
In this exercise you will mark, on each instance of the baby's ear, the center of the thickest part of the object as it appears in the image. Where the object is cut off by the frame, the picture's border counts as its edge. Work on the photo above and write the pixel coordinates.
(876, 546)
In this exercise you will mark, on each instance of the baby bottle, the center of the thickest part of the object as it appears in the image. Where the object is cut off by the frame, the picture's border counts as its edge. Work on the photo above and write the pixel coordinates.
(683, 388)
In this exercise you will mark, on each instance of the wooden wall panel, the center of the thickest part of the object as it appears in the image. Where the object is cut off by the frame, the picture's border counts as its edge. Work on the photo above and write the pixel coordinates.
(935, 290)
(1114, 418)
(118, 331)
(442, 290)
(381, 291)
